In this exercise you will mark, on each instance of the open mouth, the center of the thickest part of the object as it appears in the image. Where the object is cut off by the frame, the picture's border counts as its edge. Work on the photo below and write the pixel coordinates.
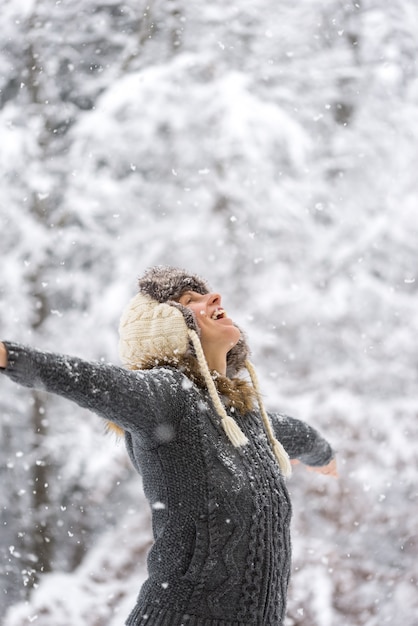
(219, 314)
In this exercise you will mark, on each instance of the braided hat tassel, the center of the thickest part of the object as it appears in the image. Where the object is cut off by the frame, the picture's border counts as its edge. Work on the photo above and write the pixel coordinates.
(231, 428)
(278, 449)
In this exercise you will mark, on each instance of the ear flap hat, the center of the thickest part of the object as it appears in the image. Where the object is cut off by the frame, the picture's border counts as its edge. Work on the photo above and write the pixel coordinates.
(154, 325)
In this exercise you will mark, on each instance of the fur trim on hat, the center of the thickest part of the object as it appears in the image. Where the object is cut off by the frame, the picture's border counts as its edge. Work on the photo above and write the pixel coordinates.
(163, 283)
(237, 356)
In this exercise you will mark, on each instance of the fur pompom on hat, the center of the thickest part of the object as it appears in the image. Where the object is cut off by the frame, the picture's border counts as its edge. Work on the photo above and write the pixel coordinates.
(155, 326)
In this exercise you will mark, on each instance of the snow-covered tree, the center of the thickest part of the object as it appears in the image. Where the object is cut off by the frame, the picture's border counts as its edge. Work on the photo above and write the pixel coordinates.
(269, 146)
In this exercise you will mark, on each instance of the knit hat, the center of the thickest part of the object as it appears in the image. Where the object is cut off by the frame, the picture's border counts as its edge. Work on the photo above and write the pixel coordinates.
(167, 284)
(154, 325)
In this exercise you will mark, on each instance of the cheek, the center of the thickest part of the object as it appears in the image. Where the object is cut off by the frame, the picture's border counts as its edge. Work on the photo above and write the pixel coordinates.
(198, 321)
(199, 314)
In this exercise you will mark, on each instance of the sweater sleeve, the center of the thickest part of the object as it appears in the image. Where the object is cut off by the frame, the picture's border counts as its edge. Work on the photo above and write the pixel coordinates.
(137, 401)
(301, 441)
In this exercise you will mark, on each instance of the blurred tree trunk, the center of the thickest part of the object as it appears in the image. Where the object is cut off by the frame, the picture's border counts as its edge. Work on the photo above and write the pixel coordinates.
(38, 536)
(38, 539)
(175, 19)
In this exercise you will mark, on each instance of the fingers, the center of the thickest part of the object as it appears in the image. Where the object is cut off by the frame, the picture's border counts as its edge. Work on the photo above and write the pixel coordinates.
(3, 355)
(327, 470)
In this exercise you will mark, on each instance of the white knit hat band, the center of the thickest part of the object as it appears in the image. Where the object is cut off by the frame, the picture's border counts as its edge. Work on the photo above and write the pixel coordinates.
(149, 329)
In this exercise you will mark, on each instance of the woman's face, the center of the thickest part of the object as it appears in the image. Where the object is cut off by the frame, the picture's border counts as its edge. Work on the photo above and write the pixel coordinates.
(216, 328)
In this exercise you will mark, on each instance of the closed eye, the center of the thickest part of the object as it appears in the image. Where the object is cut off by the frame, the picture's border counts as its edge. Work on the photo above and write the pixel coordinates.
(185, 299)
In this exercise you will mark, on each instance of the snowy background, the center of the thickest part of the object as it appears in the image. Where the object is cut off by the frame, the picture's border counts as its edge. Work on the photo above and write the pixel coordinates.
(271, 147)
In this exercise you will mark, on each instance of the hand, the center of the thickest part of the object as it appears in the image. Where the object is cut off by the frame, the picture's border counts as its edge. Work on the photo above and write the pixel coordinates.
(327, 470)
(3, 355)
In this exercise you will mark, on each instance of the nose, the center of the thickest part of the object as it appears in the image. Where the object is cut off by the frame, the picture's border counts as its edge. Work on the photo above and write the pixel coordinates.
(214, 298)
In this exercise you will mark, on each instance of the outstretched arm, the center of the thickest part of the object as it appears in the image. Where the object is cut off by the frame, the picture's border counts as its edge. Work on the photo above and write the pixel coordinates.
(136, 401)
(304, 444)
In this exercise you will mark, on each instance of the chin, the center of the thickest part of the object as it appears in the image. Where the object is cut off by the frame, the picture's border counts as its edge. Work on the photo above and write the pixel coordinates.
(235, 337)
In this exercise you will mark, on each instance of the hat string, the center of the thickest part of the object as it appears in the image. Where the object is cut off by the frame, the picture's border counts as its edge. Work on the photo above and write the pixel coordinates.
(231, 428)
(278, 449)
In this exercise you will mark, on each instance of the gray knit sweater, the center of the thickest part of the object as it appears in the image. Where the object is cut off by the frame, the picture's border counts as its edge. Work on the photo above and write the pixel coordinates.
(221, 515)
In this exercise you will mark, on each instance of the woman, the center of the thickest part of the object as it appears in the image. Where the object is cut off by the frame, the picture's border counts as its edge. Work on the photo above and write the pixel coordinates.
(212, 460)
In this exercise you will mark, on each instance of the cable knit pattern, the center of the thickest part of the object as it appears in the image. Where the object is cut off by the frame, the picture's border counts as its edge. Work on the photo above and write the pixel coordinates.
(221, 515)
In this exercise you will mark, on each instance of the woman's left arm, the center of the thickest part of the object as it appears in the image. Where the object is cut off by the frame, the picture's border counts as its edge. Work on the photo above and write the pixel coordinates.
(304, 444)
